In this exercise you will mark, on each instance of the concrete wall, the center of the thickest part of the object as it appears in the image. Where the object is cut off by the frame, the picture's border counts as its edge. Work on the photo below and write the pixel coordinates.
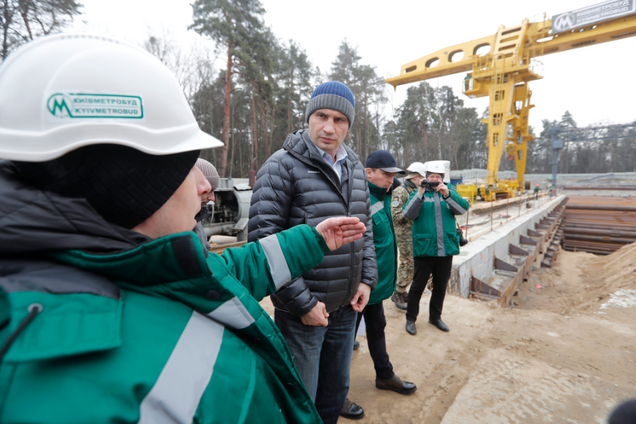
(477, 257)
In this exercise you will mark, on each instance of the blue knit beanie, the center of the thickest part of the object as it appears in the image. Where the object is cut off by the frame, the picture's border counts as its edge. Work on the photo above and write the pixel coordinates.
(332, 95)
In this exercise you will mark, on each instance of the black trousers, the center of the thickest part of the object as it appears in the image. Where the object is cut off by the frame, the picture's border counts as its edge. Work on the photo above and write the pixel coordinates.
(440, 267)
(375, 322)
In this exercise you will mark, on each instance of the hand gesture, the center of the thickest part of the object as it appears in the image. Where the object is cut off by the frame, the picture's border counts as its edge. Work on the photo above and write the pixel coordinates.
(317, 316)
(442, 188)
(361, 297)
(341, 230)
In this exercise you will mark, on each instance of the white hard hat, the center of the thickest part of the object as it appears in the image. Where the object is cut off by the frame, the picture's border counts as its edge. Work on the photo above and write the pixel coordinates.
(65, 91)
(441, 167)
(436, 168)
(417, 167)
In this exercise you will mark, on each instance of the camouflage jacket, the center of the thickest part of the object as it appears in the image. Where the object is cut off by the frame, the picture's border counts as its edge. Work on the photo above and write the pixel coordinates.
(399, 199)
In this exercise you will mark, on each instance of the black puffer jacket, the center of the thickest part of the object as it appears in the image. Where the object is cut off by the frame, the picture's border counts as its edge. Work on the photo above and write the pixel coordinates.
(296, 186)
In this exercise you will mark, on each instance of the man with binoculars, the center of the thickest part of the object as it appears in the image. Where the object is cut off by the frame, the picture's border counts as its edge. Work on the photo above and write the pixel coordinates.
(435, 240)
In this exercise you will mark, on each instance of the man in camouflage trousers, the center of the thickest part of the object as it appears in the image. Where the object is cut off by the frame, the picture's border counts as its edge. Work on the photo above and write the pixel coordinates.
(403, 233)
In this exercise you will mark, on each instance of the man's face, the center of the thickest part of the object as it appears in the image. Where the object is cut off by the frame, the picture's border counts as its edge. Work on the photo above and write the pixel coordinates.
(207, 197)
(177, 214)
(380, 178)
(328, 129)
(435, 177)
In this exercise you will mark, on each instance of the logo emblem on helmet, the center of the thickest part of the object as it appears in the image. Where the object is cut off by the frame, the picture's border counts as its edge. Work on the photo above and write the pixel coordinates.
(81, 105)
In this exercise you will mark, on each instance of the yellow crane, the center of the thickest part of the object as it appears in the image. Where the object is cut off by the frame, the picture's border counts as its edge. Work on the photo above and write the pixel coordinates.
(504, 71)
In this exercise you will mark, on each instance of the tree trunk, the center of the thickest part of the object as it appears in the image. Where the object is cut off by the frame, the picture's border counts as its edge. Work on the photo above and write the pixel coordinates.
(25, 18)
(234, 141)
(425, 138)
(7, 18)
(226, 112)
(290, 105)
(254, 134)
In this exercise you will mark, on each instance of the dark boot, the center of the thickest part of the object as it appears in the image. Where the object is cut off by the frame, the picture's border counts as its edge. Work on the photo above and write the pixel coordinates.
(396, 384)
(399, 298)
(410, 327)
(439, 324)
(351, 410)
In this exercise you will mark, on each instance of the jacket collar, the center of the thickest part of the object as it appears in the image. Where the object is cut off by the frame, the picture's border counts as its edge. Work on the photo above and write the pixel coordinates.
(408, 184)
(377, 192)
(301, 146)
(168, 259)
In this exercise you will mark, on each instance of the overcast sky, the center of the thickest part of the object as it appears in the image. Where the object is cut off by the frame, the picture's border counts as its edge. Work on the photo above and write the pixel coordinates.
(596, 84)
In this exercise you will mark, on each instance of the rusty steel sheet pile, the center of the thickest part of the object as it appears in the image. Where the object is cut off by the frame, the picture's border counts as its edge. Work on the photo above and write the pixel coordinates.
(599, 225)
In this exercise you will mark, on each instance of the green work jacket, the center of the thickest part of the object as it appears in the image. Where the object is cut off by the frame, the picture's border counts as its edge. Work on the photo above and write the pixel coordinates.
(385, 244)
(434, 229)
(157, 334)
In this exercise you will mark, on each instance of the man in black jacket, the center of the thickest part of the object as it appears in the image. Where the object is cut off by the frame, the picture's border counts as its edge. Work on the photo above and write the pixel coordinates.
(312, 178)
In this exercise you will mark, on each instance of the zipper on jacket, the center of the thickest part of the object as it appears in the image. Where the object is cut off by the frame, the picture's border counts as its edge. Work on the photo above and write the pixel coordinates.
(351, 181)
(309, 162)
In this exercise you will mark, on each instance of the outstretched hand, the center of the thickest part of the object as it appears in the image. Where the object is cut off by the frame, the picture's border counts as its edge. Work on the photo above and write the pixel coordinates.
(339, 231)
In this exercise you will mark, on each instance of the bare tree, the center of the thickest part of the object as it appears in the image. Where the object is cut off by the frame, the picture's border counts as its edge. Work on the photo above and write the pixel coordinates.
(26, 20)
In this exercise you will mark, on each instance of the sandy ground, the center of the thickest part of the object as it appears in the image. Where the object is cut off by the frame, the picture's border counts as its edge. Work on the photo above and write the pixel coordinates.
(564, 353)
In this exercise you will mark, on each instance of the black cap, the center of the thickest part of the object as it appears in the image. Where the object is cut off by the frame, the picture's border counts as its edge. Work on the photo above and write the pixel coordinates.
(383, 160)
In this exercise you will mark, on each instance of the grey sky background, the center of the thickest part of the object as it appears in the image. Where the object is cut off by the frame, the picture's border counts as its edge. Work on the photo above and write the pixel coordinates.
(596, 84)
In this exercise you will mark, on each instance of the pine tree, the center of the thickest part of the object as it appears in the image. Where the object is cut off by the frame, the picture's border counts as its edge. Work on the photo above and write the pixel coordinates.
(236, 25)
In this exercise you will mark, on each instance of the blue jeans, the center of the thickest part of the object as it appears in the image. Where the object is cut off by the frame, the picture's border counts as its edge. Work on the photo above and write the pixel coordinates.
(322, 356)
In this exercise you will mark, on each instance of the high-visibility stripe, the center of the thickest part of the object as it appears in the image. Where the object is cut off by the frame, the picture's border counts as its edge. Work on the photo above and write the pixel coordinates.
(410, 211)
(454, 207)
(277, 262)
(177, 392)
(376, 207)
(439, 225)
(233, 314)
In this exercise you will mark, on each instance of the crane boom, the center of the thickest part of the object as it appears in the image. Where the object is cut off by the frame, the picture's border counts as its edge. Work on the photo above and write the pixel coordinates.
(540, 43)
(503, 74)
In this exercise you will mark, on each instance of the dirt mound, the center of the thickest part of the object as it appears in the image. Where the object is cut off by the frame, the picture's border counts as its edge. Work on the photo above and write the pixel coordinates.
(580, 282)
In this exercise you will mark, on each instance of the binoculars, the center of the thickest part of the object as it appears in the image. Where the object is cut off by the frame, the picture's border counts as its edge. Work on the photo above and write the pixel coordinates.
(429, 184)
(462, 239)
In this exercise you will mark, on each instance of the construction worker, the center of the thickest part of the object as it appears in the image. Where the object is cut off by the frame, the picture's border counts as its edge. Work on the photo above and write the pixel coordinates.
(435, 241)
(536, 192)
(403, 234)
(111, 309)
(467, 80)
(381, 169)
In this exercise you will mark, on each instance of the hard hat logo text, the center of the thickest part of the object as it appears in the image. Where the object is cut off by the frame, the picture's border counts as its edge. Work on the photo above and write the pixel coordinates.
(82, 105)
